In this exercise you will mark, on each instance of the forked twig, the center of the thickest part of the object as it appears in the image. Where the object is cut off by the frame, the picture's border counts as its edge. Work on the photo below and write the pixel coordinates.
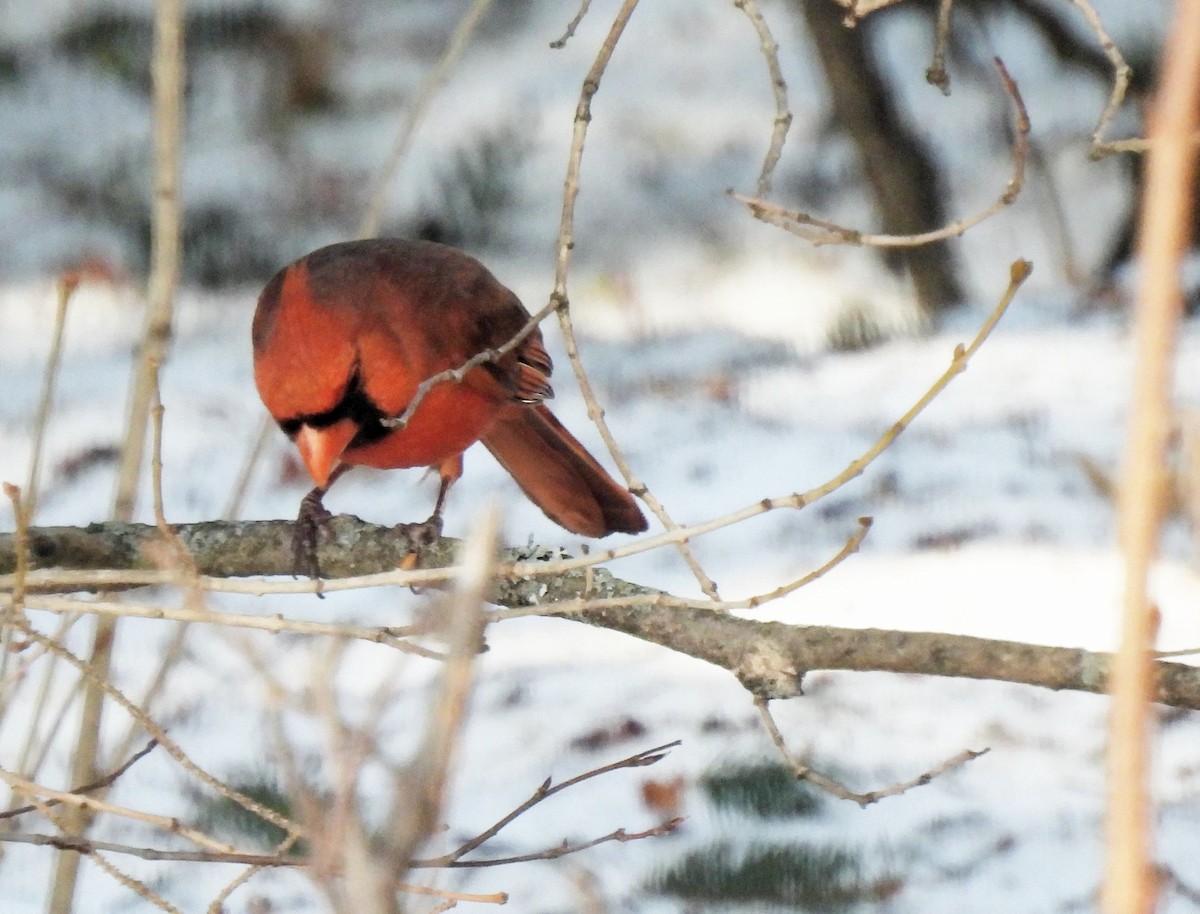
(81, 801)
(158, 733)
(569, 847)
(92, 846)
(1120, 85)
(98, 784)
(820, 231)
(544, 791)
(805, 773)
(1019, 272)
(451, 860)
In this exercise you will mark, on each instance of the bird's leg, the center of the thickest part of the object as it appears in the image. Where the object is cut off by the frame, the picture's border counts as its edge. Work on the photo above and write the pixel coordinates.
(312, 517)
(428, 531)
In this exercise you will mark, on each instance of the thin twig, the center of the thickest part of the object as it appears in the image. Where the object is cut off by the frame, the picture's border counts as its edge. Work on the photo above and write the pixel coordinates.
(588, 604)
(936, 75)
(457, 374)
(136, 886)
(20, 537)
(221, 899)
(568, 847)
(429, 89)
(64, 289)
(90, 846)
(560, 302)
(560, 43)
(805, 773)
(546, 790)
(391, 636)
(819, 231)
(857, 10)
(783, 115)
(152, 728)
(92, 804)
(237, 495)
(99, 784)
(167, 77)
(1121, 76)
(87, 846)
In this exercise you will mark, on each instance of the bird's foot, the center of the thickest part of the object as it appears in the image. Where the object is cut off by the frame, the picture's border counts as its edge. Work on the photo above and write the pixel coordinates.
(419, 536)
(426, 533)
(307, 533)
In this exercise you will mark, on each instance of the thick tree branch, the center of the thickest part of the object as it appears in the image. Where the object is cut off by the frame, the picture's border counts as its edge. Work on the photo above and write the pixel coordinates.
(769, 658)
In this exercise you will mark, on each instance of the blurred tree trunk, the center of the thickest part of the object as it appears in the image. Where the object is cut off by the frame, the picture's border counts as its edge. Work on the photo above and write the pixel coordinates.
(902, 174)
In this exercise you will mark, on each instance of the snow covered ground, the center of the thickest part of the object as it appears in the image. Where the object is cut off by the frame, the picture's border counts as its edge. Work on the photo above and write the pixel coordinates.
(708, 350)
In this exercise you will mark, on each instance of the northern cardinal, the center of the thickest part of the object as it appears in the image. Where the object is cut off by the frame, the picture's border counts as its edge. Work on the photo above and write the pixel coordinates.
(344, 337)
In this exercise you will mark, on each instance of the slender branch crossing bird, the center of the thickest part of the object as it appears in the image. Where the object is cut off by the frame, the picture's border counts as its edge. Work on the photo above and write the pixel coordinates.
(345, 336)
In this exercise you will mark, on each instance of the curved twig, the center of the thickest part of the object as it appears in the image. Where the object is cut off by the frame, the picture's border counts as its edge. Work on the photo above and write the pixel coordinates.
(819, 231)
(783, 115)
(841, 791)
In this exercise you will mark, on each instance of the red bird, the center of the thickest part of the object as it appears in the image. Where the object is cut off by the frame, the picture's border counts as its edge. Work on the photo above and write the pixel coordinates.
(344, 337)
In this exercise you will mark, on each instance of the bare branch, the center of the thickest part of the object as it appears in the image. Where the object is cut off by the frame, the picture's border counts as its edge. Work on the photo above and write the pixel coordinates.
(91, 804)
(591, 602)
(783, 115)
(106, 688)
(1121, 75)
(560, 43)
(1164, 235)
(64, 289)
(391, 636)
(567, 847)
(858, 10)
(560, 302)
(936, 75)
(452, 860)
(99, 784)
(89, 846)
(546, 790)
(768, 657)
(805, 773)
(819, 231)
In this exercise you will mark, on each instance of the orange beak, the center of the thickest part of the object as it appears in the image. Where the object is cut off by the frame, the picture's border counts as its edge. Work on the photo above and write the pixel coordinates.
(321, 448)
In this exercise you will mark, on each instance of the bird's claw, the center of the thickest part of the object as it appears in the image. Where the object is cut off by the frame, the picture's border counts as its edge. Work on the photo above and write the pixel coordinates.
(306, 535)
(422, 534)
(419, 536)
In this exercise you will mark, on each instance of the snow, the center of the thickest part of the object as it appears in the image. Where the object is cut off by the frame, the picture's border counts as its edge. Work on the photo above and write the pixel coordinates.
(706, 335)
